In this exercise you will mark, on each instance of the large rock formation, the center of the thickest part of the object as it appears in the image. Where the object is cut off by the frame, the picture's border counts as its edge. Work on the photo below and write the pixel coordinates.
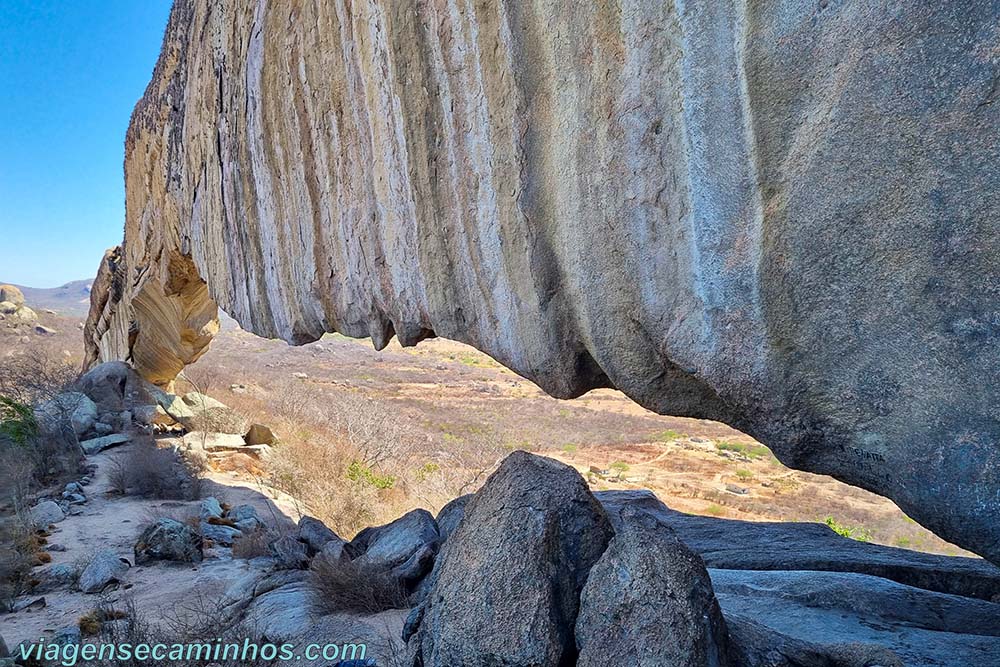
(774, 215)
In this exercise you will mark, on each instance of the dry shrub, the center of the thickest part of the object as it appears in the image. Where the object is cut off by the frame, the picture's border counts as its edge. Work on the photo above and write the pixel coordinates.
(253, 545)
(33, 377)
(347, 585)
(20, 549)
(153, 472)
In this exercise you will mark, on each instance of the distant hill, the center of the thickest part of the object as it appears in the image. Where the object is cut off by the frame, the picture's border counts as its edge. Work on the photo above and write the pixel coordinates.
(71, 299)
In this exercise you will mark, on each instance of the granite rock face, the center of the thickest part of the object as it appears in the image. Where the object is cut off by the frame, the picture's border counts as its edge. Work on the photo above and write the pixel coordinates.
(770, 214)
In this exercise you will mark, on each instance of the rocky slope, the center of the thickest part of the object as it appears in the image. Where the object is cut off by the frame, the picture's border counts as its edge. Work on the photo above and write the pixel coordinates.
(774, 216)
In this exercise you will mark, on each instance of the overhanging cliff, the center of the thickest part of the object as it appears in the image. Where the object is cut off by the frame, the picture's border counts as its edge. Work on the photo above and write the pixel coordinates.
(779, 215)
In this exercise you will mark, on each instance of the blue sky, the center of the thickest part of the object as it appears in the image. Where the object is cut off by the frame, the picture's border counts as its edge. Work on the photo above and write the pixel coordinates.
(70, 73)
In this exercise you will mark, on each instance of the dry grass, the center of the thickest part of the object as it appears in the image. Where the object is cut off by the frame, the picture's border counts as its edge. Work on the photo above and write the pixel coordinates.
(344, 585)
(153, 472)
(253, 545)
(21, 551)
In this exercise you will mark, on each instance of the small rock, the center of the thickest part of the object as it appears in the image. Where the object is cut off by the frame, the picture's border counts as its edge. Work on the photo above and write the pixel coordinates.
(29, 605)
(738, 490)
(45, 513)
(289, 553)
(68, 636)
(221, 535)
(74, 510)
(246, 519)
(259, 435)
(300, 376)
(74, 498)
(104, 569)
(100, 428)
(210, 508)
(167, 539)
(73, 487)
(55, 547)
(44, 330)
(335, 550)
(97, 445)
(394, 543)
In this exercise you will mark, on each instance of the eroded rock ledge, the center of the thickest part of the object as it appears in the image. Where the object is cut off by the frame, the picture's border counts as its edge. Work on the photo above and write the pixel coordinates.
(779, 216)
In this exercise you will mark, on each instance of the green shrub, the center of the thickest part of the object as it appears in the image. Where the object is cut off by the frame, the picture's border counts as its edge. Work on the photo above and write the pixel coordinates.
(669, 436)
(570, 449)
(744, 475)
(749, 451)
(853, 532)
(17, 422)
(359, 472)
(619, 467)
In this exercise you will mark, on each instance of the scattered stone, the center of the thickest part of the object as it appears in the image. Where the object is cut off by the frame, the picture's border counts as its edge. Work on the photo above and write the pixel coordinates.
(73, 487)
(42, 330)
(259, 435)
(45, 513)
(210, 507)
(246, 518)
(104, 569)
(617, 624)
(100, 428)
(167, 539)
(55, 547)
(289, 553)
(67, 636)
(97, 445)
(300, 376)
(221, 535)
(529, 538)
(74, 498)
(315, 534)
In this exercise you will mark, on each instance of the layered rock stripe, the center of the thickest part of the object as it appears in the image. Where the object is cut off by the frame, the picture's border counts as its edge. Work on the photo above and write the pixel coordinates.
(777, 215)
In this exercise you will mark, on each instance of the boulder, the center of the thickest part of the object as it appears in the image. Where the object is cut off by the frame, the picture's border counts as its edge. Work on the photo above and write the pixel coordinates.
(648, 601)
(152, 415)
(11, 294)
(45, 513)
(451, 515)
(42, 330)
(335, 550)
(71, 635)
(25, 315)
(315, 534)
(509, 578)
(753, 545)
(260, 435)
(55, 577)
(289, 552)
(168, 539)
(394, 543)
(104, 569)
(8, 308)
(204, 441)
(173, 405)
(72, 409)
(114, 386)
(757, 645)
(97, 445)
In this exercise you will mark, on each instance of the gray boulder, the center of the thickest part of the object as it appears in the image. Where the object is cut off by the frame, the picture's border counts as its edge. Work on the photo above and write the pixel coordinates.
(648, 602)
(335, 550)
(394, 543)
(920, 627)
(451, 515)
(98, 445)
(756, 645)
(45, 513)
(70, 408)
(246, 518)
(104, 569)
(167, 539)
(55, 577)
(114, 386)
(289, 552)
(67, 636)
(315, 534)
(749, 545)
(515, 566)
